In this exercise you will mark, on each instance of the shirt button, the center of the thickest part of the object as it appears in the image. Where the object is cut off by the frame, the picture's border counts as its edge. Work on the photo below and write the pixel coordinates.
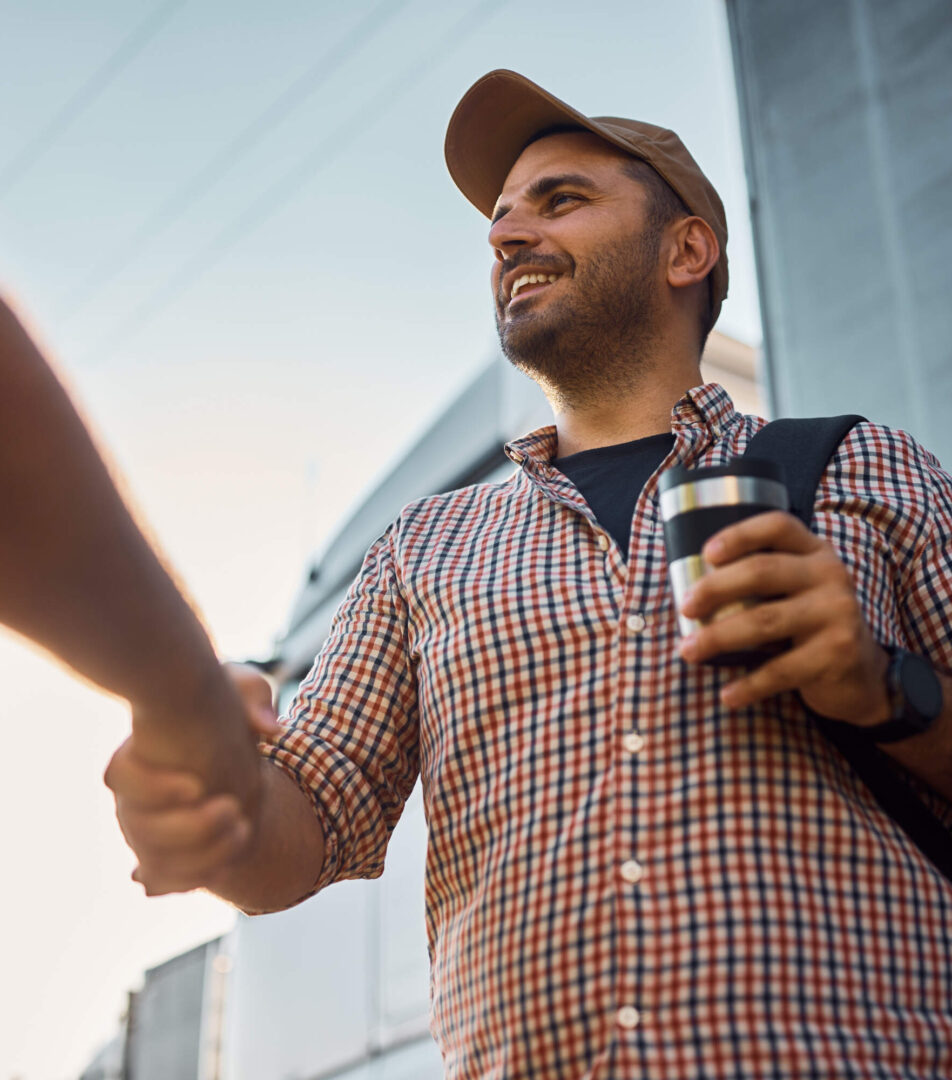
(603, 542)
(633, 742)
(628, 1017)
(632, 871)
(636, 623)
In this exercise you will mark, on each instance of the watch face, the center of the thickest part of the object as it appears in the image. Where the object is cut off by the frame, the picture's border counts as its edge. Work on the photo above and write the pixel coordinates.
(921, 689)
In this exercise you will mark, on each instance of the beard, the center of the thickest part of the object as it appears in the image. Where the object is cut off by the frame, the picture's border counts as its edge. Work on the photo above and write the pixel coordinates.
(597, 340)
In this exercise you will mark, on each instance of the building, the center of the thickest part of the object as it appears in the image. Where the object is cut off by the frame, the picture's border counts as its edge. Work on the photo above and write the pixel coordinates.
(844, 108)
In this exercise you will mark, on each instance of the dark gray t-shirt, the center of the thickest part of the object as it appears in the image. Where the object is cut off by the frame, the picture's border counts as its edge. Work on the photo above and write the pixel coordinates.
(611, 478)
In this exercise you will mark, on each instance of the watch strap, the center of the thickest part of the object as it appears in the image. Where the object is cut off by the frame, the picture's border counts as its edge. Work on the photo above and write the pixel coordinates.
(889, 731)
(915, 700)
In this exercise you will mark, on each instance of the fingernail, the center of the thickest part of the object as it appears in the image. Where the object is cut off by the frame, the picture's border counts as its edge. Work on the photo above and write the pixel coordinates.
(713, 550)
(688, 647)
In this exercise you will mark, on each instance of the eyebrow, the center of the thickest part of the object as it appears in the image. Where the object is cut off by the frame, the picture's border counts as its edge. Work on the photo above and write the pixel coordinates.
(538, 189)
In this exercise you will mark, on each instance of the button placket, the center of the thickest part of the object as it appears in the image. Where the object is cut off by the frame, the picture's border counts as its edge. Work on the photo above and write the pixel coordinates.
(635, 641)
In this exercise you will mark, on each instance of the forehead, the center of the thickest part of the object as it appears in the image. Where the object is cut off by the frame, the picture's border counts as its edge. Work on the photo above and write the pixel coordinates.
(575, 152)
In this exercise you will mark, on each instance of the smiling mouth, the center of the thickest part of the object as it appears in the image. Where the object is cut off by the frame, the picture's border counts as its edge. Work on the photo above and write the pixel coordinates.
(531, 281)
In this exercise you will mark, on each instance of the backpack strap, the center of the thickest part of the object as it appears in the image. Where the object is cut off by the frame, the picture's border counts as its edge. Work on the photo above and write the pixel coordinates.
(803, 448)
(892, 793)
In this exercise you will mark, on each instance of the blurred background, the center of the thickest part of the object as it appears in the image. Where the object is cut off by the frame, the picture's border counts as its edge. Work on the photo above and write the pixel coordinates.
(232, 229)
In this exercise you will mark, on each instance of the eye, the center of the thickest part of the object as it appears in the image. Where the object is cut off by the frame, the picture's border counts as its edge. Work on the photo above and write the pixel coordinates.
(561, 199)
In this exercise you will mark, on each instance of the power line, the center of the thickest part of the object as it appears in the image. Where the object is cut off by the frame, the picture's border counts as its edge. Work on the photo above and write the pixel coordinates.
(294, 95)
(275, 196)
(128, 50)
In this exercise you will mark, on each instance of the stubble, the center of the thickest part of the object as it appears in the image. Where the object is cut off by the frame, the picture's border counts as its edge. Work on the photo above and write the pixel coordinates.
(597, 341)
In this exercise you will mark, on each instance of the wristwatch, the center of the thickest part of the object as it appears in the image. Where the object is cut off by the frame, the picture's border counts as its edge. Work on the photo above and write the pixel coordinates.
(915, 699)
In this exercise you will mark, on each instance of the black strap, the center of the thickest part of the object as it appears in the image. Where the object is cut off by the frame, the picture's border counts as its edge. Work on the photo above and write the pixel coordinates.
(803, 448)
(893, 794)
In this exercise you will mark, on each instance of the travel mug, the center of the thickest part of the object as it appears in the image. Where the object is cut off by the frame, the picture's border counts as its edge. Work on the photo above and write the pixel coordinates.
(695, 504)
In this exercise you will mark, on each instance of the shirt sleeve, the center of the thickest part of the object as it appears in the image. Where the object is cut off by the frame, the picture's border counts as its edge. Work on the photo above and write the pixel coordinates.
(902, 491)
(927, 593)
(352, 743)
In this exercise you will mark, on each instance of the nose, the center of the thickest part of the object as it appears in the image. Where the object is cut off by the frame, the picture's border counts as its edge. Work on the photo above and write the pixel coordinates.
(515, 229)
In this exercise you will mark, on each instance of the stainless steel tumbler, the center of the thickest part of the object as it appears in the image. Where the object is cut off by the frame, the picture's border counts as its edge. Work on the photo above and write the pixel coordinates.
(696, 503)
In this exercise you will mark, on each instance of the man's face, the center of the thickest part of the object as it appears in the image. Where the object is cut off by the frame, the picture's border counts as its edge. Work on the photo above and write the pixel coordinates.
(577, 274)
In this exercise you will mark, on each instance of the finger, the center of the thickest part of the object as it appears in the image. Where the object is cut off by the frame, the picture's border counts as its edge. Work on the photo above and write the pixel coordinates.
(807, 596)
(765, 574)
(773, 677)
(185, 871)
(257, 694)
(250, 682)
(773, 529)
(264, 721)
(814, 661)
(751, 629)
(143, 785)
(182, 830)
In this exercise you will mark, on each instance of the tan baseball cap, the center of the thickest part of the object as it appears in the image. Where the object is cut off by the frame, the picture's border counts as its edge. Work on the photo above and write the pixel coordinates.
(501, 112)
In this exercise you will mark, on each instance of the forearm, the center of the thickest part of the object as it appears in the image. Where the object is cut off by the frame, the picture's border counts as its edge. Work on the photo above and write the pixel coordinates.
(285, 853)
(79, 578)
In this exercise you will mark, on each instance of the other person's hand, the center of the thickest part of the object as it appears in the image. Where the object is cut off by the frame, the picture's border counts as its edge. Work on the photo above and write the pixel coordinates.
(807, 599)
(183, 837)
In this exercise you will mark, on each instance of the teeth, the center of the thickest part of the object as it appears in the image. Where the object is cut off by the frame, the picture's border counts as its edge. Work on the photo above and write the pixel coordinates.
(532, 279)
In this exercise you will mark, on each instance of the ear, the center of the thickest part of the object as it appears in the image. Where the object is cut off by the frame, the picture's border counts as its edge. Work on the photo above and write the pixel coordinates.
(693, 252)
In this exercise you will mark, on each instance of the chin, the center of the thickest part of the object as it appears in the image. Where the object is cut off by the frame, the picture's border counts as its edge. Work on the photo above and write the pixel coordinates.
(532, 337)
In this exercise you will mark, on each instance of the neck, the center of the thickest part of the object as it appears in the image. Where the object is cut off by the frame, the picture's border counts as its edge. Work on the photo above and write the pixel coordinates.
(620, 415)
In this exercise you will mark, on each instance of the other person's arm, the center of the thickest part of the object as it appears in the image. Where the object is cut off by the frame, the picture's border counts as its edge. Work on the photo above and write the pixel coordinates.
(78, 578)
(334, 783)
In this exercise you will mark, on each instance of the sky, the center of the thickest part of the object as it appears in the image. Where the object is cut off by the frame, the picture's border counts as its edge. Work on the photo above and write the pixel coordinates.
(231, 227)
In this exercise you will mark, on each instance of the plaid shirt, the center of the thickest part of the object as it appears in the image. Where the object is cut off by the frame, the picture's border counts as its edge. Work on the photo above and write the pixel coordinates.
(625, 879)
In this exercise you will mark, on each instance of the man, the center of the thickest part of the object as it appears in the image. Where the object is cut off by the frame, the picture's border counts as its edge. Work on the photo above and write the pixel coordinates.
(79, 578)
(639, 864)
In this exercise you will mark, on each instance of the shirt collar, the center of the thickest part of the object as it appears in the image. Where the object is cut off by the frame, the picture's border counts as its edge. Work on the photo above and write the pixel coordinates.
(708, 406)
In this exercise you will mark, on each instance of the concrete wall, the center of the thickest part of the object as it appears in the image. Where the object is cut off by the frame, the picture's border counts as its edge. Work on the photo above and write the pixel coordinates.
(847, 114)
